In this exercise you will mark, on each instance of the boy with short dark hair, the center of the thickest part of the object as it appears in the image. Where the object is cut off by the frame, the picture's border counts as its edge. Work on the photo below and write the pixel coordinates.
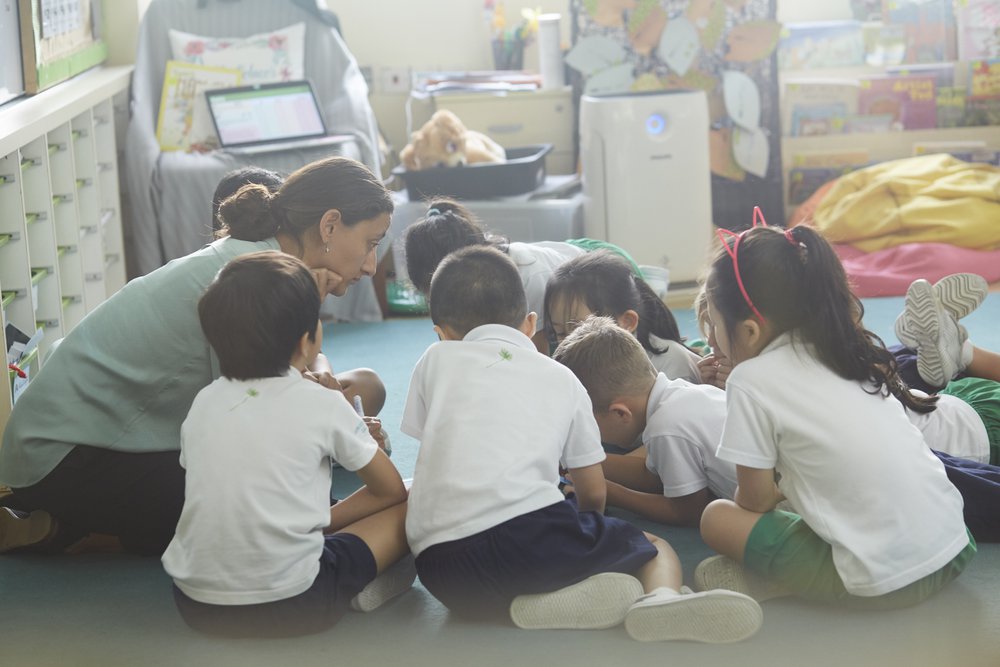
(490, 530)
(258, 549)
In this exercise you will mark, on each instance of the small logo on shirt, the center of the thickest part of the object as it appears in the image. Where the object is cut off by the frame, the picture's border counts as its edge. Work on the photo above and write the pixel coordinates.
(253, 393)
(505, 355)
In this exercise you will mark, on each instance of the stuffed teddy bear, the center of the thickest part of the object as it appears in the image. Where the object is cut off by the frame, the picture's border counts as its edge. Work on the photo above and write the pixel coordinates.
(444, 141)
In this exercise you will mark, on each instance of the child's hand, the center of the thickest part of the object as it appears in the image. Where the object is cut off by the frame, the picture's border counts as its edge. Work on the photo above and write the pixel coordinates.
(715, 369)
(324, 379)
(327, 281)
(375, 431)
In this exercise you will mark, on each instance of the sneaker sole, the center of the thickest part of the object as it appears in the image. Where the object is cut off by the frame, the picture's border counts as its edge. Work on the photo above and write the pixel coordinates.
(961, 293)
(721, 572)
(923, 317)
(598, 602)
(713, 617)
(396, 580)
(16, 533)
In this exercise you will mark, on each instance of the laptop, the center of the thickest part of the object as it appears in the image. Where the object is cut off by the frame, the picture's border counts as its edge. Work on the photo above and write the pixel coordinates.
(269, 117)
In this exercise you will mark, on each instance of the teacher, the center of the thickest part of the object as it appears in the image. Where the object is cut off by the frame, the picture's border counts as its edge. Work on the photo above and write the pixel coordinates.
(92, 445)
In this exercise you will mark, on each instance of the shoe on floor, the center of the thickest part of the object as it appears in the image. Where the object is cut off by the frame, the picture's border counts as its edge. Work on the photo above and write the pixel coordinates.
(24, 529)
(714, 617)
(724, 572)
(598, 602)
(961, 293)
(940, 341)
(395, 580)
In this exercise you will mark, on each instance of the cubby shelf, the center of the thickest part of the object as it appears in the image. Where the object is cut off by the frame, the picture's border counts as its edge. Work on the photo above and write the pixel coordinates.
(60, 219)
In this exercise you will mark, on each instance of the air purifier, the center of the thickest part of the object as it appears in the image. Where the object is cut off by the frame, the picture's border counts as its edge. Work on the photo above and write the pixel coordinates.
(646, 178)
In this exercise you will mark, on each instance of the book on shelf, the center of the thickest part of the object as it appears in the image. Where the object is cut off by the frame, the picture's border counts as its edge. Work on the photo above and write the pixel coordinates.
(821, 44)
(184, 122)
(911, 100)
(950, 106)
(818, 106)
(928, 28)
(978, 29)
(803, 182)
(982, 106)
(968, 151)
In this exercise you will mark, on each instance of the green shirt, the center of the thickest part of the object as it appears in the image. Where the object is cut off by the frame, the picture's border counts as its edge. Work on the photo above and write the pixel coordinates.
(125, 377)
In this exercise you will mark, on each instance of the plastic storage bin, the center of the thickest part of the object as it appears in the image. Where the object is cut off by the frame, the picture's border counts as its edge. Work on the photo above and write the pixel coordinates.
(523, 172)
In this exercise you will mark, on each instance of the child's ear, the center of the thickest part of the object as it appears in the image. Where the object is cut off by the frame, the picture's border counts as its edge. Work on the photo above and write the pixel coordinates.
(621, 411)
(300, 358)
(528, 325)
(445, 332)
(629, 321)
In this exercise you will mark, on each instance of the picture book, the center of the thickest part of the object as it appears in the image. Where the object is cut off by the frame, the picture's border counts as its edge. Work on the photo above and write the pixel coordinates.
(821, 44)
(978, 29)
(911, 100)
(184, 123)
(951, 106)
(982, 106)
(928, 27)
(818, 106)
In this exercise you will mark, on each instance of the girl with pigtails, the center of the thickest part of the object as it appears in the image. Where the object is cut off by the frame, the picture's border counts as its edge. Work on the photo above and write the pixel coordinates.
(815, 415)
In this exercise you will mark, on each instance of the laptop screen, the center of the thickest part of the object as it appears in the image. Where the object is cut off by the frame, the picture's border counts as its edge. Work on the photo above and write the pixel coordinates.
(265, 113)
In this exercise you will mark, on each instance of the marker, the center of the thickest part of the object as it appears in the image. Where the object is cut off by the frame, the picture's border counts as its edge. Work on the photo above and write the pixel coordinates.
(359, 406)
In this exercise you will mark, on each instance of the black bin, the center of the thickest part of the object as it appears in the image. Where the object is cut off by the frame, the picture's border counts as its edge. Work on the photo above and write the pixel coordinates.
(524, 171)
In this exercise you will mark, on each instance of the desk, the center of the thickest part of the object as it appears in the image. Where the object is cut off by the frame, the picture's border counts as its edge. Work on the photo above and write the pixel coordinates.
(517, 218)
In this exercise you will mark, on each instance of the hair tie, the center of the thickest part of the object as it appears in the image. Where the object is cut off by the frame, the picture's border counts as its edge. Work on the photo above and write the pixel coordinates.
(432, 211)
(791, 239)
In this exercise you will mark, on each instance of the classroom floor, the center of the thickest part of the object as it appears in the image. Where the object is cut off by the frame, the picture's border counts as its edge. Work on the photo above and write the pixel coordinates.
(117, 610)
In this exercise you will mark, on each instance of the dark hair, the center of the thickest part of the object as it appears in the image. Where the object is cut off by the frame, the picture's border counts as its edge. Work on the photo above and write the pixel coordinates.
(475, 286)
(255, 312)
(233, 181)
(798, 284)
(608, 361)
(604, 282)
(446, 227)
(254, 214)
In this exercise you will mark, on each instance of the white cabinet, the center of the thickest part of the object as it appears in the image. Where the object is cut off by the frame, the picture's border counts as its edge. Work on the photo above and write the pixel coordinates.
(61, 248)
(512, 119)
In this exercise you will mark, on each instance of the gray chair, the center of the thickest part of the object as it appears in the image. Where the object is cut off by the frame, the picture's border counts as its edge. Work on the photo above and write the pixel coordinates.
(169, 194)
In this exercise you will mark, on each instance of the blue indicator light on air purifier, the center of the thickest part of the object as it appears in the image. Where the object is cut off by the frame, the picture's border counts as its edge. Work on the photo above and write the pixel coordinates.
(656, 124)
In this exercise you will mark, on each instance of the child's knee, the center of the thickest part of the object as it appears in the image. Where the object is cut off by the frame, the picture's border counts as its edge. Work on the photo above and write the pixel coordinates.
(714, 522)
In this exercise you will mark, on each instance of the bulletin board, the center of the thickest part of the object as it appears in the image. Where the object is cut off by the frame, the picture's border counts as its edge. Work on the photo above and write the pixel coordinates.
(724, 47)
(59, 39)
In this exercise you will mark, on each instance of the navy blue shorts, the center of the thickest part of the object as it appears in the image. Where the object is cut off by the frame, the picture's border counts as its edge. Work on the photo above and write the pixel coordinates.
(345, 567)
(538, 552)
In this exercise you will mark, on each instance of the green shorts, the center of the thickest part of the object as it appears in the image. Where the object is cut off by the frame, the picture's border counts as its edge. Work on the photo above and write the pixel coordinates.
(782, 548)
(590, 245)
(984, 397)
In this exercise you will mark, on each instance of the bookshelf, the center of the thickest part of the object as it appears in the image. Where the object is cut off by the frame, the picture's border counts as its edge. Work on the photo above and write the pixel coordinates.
(61, 246)
(867, 129)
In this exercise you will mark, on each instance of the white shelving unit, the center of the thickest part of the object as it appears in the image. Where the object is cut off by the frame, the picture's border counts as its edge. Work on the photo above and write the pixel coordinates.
(61, 248)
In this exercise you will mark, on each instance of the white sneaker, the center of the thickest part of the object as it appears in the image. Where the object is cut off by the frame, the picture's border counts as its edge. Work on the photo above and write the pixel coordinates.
(716, 616)
(724, 572)
(961, 293)
(395, 580)
(598, 602)
(940, 341)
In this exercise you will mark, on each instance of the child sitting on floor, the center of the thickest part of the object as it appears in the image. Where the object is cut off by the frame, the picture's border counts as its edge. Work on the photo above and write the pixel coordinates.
(814, 414)
(679, 426)
(603, 283)
(258, 549)
(448, 226)
(490, 530)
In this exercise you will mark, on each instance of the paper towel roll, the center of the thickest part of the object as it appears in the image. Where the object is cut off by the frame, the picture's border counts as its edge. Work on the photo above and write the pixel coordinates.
(550, 61)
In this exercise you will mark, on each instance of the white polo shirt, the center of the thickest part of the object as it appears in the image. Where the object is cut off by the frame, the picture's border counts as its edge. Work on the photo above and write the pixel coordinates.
(851, 463)
(536, 262)
(495, 420)
(683, 427)
(677, 362)
(953, 428)
(257, 487)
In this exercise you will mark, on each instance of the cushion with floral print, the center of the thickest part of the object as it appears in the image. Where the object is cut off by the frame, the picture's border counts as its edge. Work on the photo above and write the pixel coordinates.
(264, 58)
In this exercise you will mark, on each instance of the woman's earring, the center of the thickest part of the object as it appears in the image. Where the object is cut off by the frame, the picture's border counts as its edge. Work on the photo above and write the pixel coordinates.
(326, 248)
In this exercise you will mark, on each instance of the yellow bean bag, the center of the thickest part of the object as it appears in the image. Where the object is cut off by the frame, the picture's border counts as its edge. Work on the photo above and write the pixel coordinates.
(930, 198)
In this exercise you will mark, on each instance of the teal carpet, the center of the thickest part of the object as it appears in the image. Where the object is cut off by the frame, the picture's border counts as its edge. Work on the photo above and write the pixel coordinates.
(117, 610)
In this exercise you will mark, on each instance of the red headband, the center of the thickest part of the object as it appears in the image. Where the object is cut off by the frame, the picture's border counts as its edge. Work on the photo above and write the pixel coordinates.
(733, 250)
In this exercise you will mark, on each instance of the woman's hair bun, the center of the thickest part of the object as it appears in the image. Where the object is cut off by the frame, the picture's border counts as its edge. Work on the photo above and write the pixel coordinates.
(248, 214)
